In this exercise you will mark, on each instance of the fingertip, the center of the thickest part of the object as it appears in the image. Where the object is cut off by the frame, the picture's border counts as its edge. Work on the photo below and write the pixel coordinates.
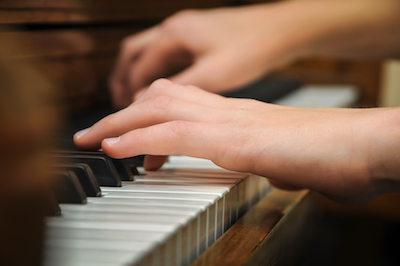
(80, 133)
(78, 136)
(111, 141)
(109, 146)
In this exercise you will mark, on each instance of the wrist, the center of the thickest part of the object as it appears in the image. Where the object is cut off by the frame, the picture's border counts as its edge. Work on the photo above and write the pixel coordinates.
(348, 28)
(290, 30)
(383, 150)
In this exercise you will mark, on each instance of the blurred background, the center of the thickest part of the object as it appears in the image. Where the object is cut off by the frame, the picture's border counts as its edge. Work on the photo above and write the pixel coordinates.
(74, 44)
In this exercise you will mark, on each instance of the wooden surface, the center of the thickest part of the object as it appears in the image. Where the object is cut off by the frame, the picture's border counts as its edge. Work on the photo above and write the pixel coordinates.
(248, 241)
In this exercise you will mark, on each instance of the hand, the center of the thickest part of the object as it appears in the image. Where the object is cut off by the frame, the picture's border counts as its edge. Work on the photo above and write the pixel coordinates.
(217, 50)
(223, 49)
(347, 154)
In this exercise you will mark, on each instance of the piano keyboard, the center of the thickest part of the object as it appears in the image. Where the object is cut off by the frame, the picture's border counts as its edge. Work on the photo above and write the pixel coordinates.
(168, 217)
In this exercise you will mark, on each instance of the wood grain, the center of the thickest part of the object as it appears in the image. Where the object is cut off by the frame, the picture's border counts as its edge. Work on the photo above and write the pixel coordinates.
(242, 242)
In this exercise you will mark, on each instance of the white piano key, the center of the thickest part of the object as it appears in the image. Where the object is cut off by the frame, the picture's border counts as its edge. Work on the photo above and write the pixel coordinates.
(150, 202)
(125, 217)
(129, 209)
(160, 196)
(105, 234)
(184, 180)
(194, 173)
(215, 190)
(132, 226)
(105, 224)
(177, 161)
(114, 256)
(74, 262)
(99, 244)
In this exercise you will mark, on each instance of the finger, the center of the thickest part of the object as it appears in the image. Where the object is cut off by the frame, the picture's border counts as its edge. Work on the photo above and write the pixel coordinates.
(152, 163)
(187, 93)
(208, 73)
(201, 140)
(215, 72)
(160, 59)
(156, 110)
(130, 50)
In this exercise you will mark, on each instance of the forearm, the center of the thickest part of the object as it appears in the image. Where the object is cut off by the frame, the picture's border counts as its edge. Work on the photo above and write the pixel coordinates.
(344, 153)
(269, 36)
(348, 28)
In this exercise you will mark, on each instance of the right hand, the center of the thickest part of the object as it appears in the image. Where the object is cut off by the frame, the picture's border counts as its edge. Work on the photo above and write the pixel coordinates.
(217, 50)
(350, 155)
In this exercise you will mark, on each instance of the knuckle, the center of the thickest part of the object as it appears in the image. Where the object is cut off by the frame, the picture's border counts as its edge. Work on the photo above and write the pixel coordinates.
(161, 103)
(181, 129)
(181, 19)
(159, 85)
(141, 138)
(110, 121)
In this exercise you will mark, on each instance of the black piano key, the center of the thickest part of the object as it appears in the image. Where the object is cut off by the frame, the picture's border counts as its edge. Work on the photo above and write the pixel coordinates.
(51, 207)
(85, 176)
(124, 170)
(134, 170)
(124, 167)
(66, 187)
(136, 160)
(101, 165)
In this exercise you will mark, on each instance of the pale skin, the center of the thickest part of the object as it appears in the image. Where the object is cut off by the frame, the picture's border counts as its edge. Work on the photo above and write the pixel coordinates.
(221, 49)
(350, 155)
(347, 154)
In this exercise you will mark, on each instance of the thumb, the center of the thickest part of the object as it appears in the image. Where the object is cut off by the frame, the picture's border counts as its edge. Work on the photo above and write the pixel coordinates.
(211, 73)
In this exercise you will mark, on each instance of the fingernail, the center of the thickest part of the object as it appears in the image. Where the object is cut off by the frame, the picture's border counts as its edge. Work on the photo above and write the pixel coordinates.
(111, 141)
(81, 132)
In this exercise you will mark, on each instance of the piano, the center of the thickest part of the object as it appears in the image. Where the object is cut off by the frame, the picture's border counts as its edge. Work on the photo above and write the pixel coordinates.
(167, 217)
(189, 213)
